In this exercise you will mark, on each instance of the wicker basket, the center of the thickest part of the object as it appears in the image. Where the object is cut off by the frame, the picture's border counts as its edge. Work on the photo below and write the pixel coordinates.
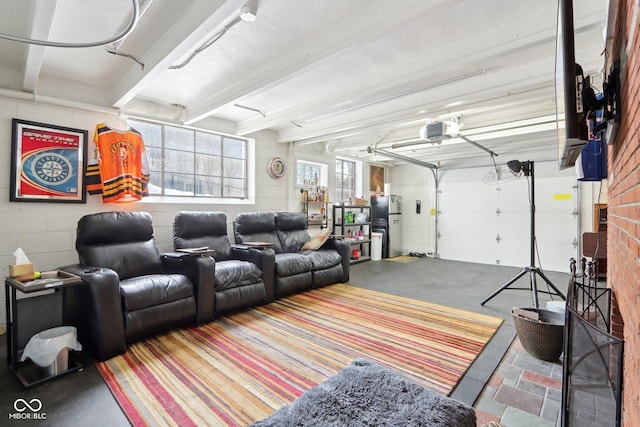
(542, 339)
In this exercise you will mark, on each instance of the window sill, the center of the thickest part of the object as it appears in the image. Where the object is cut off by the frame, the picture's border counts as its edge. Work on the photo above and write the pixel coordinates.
(195, 200)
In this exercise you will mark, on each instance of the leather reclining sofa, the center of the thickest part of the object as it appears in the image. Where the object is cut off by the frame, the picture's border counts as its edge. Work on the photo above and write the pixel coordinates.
(131, 291)
(243, 276)
(296, 270)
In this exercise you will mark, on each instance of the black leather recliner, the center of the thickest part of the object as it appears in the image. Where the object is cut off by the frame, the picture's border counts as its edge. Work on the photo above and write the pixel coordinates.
(296, 270)
(130, 290)
(243, 276)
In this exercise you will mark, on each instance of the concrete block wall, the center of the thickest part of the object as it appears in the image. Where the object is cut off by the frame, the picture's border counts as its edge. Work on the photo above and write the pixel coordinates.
(47, 231)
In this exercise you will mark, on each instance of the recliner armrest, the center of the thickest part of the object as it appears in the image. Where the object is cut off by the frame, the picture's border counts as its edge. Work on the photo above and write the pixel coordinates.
(95, 308)
(265, 259)
(200, 270)
(344, 250)
(250, 253)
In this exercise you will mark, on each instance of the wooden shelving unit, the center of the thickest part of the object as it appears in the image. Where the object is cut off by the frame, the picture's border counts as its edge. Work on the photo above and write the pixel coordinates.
(599, 217)
(598, 239)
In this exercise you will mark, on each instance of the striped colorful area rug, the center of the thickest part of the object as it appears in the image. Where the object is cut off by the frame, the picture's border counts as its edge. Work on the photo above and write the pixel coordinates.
(242, 367)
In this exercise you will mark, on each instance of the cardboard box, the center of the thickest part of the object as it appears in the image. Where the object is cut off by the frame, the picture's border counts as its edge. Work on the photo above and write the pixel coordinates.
(21, 269)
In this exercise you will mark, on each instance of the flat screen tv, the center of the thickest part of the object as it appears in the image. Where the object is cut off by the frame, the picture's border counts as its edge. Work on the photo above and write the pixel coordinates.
(569, 82)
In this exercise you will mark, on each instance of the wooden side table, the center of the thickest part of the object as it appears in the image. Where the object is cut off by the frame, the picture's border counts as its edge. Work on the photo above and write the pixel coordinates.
(41, 308)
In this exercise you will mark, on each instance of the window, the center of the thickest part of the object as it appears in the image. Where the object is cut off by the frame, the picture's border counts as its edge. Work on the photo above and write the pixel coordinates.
(194, 163)
(306, 172)
(345, 180)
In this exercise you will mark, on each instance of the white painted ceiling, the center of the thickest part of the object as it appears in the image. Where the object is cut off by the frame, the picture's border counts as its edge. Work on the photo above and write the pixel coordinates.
(344, 74)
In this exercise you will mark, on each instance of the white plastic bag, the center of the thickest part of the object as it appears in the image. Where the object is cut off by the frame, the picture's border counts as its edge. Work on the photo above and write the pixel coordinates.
(43, 347)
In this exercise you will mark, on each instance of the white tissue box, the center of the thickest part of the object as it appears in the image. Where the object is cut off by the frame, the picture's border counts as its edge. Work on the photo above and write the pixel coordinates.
(21, 269)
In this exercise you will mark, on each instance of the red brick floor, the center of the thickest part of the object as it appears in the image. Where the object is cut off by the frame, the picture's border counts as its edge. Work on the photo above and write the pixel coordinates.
(523, 391)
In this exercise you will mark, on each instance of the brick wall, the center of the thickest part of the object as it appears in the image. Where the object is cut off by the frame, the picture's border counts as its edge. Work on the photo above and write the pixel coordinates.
(624, 206)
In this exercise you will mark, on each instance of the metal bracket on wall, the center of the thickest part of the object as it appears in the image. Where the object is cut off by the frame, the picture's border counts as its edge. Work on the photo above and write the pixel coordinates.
(498, 212)
(498, 238)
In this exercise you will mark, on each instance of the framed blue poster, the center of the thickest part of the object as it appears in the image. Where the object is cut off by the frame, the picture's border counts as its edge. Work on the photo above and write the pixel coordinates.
(47, 163)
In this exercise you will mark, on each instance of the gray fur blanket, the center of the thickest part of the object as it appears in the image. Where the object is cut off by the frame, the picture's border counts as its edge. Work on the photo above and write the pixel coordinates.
(367, 394)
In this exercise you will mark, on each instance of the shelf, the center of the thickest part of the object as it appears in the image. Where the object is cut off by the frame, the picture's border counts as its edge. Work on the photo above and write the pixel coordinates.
(352, 206)
(600, 217)
(316, 212)
(341, 228)
(30, 375)
(61, 280)
(357, 242)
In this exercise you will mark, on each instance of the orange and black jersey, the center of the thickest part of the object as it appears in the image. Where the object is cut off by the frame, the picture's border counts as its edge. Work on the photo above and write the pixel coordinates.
(118, 167)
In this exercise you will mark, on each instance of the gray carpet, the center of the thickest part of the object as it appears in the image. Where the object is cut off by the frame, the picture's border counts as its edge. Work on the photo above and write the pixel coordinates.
(367, 394)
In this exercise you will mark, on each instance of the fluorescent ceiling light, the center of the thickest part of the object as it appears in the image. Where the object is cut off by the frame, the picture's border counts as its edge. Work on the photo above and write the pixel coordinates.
(495, 134)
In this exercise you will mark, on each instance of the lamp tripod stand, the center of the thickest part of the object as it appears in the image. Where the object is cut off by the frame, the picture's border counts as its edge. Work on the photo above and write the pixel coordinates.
(527, 169)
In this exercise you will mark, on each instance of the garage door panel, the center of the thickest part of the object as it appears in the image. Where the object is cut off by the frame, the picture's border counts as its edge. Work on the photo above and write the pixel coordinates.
(458, 223)
(469, 223)
(474, 248)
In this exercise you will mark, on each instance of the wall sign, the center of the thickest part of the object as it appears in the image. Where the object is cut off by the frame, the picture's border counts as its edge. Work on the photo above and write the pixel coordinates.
(47, 163)
(276, 167)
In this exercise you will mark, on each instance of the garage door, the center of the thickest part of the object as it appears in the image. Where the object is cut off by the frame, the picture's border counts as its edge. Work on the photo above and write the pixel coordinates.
(488, 221)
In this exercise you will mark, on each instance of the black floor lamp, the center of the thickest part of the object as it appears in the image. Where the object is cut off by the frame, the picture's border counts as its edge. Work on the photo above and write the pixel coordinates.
(526, 168)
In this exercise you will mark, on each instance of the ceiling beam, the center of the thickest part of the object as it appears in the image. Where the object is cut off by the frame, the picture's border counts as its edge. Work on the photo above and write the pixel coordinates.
(197, 23)
(529, 87)
(326, 111)
(369, 25)
(40, 27)
(437, 72)
(478, 95)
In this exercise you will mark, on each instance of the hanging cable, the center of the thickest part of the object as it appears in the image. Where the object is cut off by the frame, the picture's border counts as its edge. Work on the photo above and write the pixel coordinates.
(123, 34)
(126, 55)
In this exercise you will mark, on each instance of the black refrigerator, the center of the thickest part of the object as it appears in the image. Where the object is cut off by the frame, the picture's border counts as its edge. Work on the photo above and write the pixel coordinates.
(386, 217)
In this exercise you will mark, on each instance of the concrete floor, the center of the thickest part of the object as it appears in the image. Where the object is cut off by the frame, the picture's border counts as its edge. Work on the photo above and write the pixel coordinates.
(82, 398)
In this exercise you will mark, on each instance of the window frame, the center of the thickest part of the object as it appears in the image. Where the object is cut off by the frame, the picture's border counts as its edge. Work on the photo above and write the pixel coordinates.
(357, 167)
(323, 178)
(248, 162)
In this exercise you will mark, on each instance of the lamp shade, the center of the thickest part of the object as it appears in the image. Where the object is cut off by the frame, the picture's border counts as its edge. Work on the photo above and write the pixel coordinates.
(515, 166)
